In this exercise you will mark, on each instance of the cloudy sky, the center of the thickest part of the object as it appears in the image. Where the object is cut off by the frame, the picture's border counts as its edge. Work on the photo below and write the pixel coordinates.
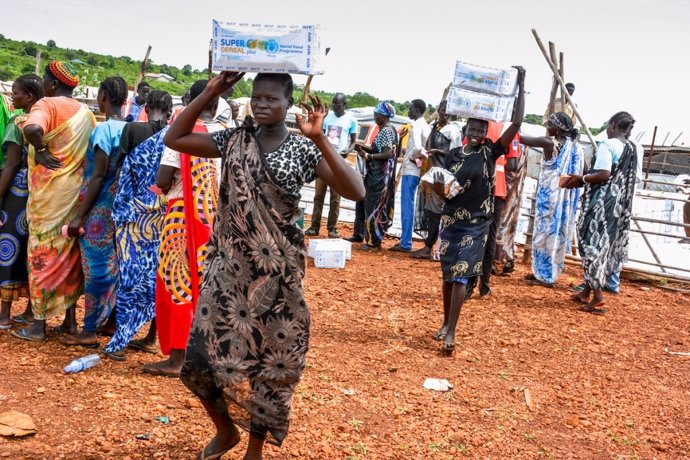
(622, 55)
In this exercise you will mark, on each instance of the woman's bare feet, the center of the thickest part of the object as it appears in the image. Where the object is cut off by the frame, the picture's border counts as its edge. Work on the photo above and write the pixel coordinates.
(83, 339)
(441, 333)
(170, 367)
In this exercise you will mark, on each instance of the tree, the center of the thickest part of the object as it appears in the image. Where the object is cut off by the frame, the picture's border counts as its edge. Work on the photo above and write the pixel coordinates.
(187, 70)
(51, 44)
(361, 99)
(92, 60)
(532, 119)
(30, 50)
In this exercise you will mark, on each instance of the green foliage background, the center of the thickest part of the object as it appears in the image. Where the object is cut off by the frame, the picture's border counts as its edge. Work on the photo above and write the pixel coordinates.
(18, 57)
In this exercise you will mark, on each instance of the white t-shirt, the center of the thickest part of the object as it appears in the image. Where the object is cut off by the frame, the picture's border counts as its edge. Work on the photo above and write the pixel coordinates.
(339, 129)
(418, 135)
(608, 154)
(172, 158)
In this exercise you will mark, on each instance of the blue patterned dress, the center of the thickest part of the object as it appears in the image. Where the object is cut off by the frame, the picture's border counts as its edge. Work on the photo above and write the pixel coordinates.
(14, 229)
(97, 244)
(554, 221)
(138, 214)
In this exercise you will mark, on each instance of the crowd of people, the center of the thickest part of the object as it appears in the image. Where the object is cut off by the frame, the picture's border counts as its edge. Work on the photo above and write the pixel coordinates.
(187, 222)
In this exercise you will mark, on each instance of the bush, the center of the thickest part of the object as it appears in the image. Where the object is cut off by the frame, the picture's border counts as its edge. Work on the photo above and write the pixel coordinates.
(5, 74)
(51, 44)
(30, 50)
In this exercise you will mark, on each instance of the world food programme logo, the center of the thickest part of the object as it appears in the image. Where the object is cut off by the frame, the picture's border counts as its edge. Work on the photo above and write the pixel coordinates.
(271, 46)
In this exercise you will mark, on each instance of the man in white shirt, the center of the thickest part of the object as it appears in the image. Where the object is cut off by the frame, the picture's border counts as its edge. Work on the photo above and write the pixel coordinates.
(410, 172)
(340, 128)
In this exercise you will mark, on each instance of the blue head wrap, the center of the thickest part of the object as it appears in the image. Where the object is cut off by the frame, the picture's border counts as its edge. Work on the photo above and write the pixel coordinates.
(386, 109)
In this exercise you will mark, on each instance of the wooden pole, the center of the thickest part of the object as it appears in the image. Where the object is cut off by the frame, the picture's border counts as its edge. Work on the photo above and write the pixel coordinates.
(554, 84)
(561, 71)
(307, 86)
(210, 59)
(37, 69)
(649, 160)
(565, 92)
(649, 245)
(142, 70)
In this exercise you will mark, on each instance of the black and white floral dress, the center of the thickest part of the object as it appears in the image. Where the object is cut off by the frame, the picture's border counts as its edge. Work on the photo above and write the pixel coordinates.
(250, 334)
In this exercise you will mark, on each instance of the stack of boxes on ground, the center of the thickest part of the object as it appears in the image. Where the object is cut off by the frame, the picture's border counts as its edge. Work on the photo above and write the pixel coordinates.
(329, 253)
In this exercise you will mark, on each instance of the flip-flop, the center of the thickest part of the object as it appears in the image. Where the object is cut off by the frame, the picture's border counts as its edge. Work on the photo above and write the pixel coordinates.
(114, 356)
(594, 310)
(66, 342)
(139, 346)
(22, 334)
(21, 319)
(577, 298)
(217, 455)
(61, 330)
(4, 327)
(159, 373)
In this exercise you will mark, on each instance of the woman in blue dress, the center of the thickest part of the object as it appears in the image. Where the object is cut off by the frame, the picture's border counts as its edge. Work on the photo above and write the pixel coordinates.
(93, 224)
(554, 220)
(138, 213)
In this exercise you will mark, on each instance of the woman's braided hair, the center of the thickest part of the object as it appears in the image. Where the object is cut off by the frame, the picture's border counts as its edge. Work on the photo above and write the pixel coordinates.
(115, 89)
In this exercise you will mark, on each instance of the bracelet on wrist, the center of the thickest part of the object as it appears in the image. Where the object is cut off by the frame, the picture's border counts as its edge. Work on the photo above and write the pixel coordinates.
(584, 179)
(42, 149)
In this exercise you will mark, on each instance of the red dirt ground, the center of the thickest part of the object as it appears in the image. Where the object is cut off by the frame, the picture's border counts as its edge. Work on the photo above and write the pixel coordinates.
(602, 387)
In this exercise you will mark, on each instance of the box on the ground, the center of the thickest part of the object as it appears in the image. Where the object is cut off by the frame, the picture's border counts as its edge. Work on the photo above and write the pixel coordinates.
(502, 82)
(330, 255)
(314, 243)
(472, 104)
(244, 47)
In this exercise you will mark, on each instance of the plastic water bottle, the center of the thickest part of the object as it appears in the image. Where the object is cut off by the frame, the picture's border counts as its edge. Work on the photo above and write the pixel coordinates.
(82, 364)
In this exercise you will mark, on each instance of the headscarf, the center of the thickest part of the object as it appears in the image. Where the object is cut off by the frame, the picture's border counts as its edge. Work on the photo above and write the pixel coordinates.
(386, 109)
(563, 122)
(65, 73)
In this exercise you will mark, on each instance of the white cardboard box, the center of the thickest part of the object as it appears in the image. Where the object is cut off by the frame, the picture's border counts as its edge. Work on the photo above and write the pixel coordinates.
(471, 104)
(502, 82)
(314, 243)
(329, 256)
(244, 47)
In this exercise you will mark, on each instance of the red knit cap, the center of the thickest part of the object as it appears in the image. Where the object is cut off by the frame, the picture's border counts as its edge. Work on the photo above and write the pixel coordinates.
(65, 73)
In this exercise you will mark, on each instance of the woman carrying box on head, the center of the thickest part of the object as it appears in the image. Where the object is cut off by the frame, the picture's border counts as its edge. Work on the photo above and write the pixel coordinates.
(467, 216)
(250, 334)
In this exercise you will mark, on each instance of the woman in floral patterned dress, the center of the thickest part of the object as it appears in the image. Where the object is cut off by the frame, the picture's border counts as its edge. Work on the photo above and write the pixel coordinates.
(250, 334)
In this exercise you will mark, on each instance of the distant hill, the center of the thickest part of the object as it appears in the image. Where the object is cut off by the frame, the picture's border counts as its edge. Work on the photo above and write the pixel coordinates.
(18, 57)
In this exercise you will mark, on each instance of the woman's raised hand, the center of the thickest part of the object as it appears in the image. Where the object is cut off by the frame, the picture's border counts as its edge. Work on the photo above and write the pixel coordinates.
(312, 125)
(223, 82)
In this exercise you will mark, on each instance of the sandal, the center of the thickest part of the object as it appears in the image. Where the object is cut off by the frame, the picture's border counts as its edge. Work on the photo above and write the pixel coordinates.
(61, 330)
(6, 326)
(594, 309)
(140, 345)
(22, 334)
(114, 355)
(21, 319)
(217, 455)
(160, 373)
